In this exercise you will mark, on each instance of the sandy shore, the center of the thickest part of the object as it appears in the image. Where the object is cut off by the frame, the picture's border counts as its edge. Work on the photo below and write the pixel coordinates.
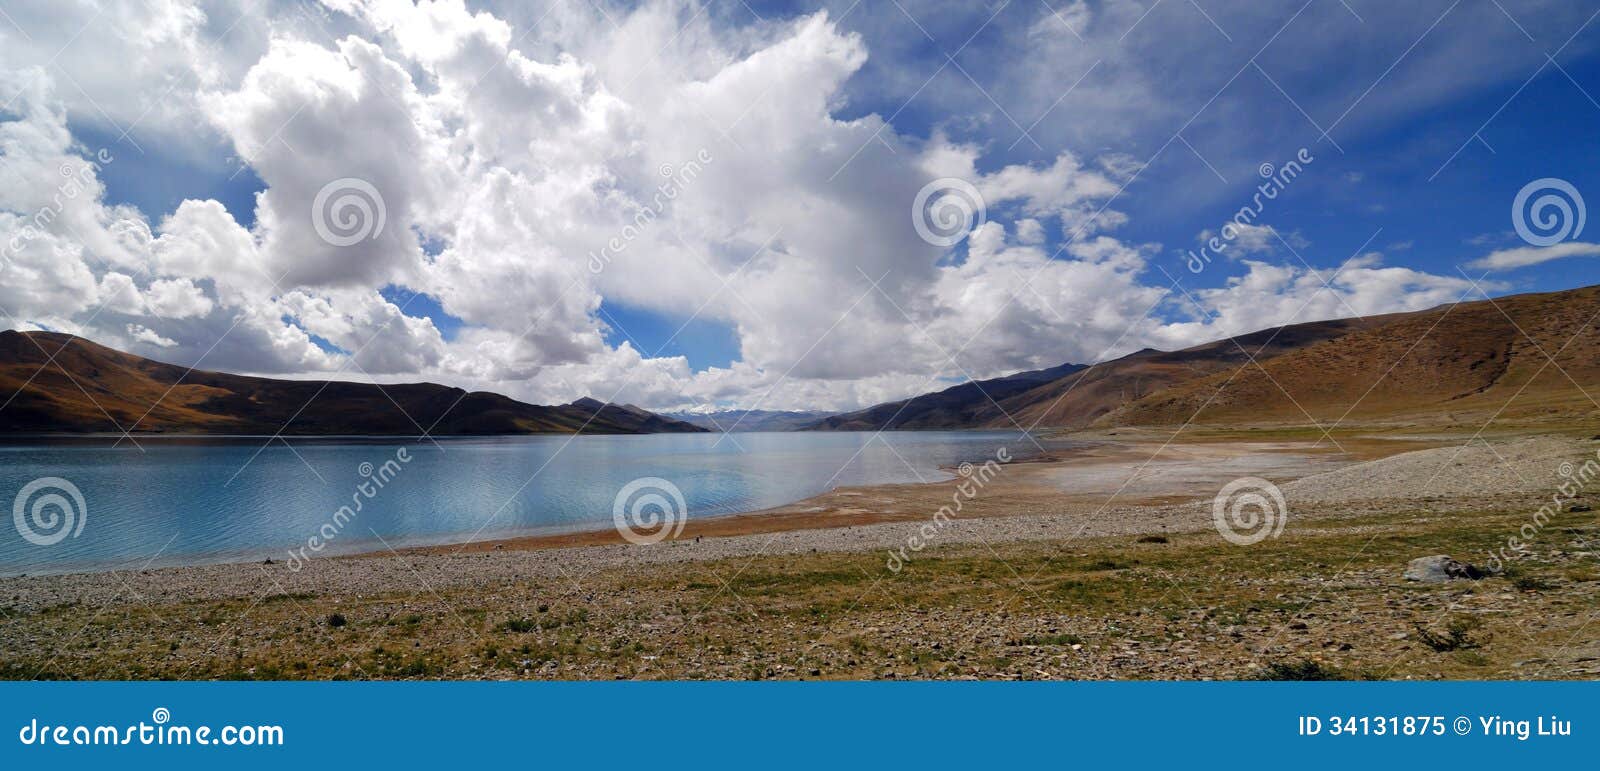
(1106, 485)
(1126, 486)
(1105, 473)
(1134, 513)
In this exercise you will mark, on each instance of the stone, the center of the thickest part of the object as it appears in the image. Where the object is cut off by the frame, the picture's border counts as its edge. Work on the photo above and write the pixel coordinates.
(1440, 568)
(1578, 508)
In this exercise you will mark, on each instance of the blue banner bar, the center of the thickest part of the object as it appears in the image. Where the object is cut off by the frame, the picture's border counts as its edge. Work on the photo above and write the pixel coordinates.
(793, 725)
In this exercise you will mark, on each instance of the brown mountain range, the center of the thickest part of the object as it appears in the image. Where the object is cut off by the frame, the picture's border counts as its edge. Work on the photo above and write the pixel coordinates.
(61, 383)
(961, 406)
(1532, 358)
(1529, 358)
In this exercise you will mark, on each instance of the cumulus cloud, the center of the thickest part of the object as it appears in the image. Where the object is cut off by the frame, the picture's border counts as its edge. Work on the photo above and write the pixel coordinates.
(717, 167)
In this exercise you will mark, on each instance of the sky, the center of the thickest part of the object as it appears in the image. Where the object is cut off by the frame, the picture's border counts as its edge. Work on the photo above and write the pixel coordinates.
(774, 205)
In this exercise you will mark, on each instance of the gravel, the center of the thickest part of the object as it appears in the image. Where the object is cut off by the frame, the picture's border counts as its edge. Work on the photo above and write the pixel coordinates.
(1531, 465)
(1482, 475)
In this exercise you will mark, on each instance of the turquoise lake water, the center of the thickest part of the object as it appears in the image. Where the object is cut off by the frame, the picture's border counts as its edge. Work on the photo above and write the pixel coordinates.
(183, 501)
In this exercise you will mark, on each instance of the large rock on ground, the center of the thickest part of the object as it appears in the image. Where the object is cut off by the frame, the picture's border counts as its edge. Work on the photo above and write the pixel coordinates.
(1439, 569)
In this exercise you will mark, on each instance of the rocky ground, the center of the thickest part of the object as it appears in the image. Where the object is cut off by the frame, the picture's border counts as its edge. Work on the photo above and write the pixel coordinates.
(1076, 590)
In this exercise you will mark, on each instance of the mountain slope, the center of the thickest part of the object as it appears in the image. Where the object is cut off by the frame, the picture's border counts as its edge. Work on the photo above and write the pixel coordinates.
(1465, 361)
(1082, 398)
(88, 387)
(963, 406)
(1524, 357)
(750, 420)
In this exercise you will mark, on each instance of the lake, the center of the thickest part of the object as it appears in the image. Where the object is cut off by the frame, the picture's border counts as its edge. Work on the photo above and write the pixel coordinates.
(82, 504)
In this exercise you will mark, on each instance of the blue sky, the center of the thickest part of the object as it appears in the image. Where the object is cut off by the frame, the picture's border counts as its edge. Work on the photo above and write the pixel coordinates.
(1424, 120)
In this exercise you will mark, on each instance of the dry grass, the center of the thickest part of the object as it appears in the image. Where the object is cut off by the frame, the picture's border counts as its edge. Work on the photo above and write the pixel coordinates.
(1325, 598)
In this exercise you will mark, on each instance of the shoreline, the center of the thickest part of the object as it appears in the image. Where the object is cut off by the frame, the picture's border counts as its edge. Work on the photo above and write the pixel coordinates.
(783, 517)
(1080, 474)
(1043, 581)
(864, 505)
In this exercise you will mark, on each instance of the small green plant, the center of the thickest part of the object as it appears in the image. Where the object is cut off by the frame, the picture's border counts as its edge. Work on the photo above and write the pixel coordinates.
(1049, 639)
(1522, 581)
(519, 625)
(1303, 670)
(1458, 635)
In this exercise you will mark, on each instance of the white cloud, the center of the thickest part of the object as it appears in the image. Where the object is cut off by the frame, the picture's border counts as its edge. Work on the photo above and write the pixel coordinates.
(1521, 257)
(149, 337)
(517, 153)
(1242, 239)
(1271, 295)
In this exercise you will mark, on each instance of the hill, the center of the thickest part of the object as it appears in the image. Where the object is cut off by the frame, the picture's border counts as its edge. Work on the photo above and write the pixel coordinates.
(1524, 358)
(964, 406)
(1533, 357)
(750, 420)
(88, 387)
(1084, 397)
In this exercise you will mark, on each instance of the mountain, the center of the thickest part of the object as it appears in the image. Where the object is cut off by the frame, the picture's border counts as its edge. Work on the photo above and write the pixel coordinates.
(61, 383)
(635, 420)
(750, 420)
(1082, 398)
(966, 405)
(1524, 357)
